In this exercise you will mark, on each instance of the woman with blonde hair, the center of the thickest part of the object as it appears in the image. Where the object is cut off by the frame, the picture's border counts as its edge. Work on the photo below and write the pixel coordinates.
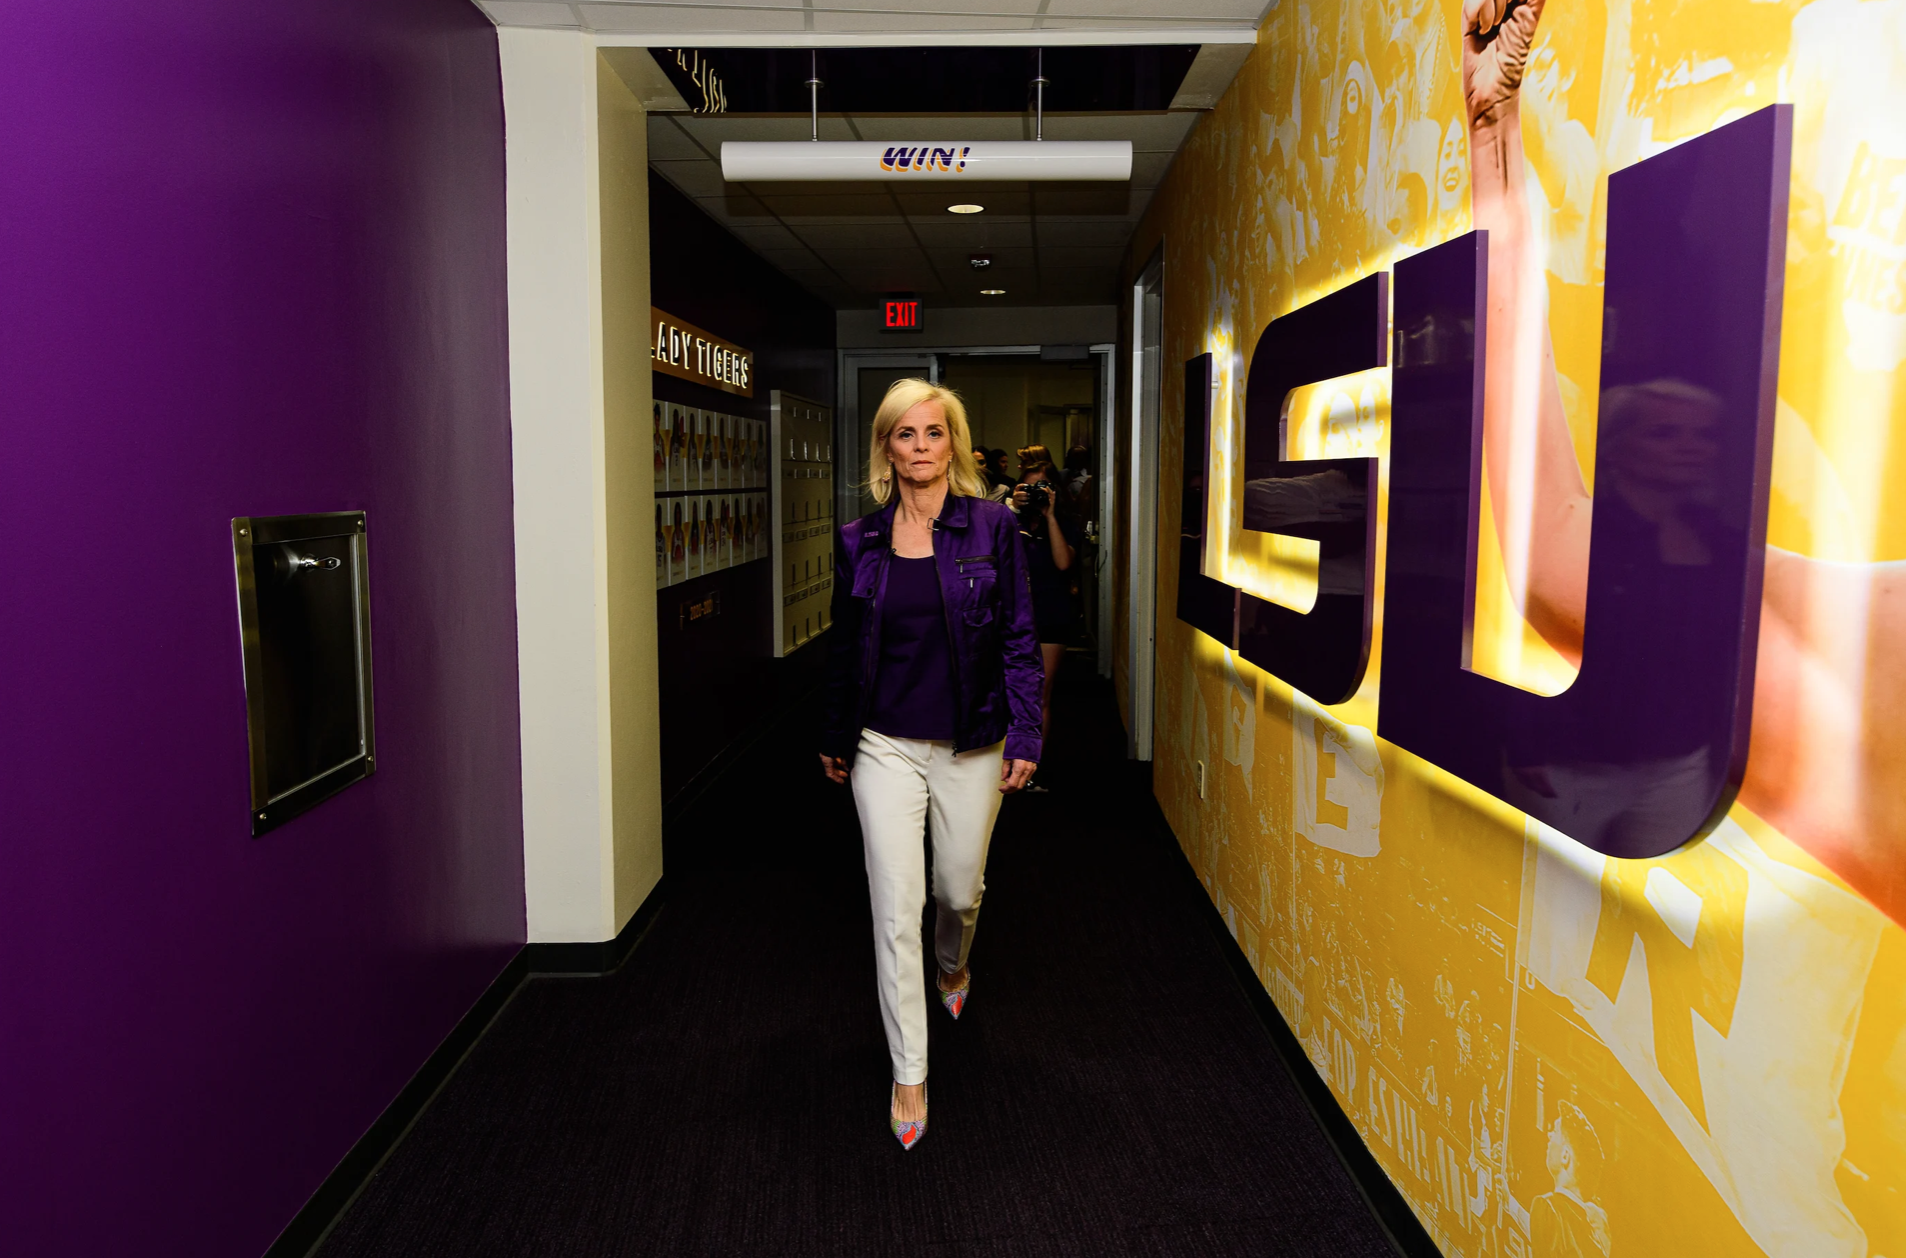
(932, 708)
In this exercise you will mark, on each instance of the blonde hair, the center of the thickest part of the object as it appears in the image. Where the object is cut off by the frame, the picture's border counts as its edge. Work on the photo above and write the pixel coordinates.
(963, 476)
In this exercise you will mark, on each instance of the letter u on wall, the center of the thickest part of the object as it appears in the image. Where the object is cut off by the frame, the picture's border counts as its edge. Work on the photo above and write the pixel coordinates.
(1648, 746)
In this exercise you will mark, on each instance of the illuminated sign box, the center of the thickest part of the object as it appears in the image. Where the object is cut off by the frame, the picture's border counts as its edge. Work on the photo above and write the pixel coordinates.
(682, 349)
(900, 314)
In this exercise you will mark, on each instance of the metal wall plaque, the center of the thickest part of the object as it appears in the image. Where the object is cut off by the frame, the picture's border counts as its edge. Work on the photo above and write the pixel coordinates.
(304, 614)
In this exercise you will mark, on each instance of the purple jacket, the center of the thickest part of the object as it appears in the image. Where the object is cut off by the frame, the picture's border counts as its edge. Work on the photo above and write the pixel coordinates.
(997, 672)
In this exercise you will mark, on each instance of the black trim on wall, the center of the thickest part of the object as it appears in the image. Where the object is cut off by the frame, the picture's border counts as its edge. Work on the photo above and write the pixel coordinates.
(306, 1232)
(1400, 1225)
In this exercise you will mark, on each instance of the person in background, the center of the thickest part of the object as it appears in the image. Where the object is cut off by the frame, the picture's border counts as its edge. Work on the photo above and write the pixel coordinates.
(997, 487)
(931, 705)
(996, 469)
(1052, 547)
(1077, 477)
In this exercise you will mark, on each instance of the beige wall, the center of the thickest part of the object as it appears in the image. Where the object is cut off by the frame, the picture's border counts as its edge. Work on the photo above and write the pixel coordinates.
(634, 722)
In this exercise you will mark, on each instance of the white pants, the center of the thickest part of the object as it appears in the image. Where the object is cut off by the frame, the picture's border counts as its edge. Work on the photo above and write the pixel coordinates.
(903, 787)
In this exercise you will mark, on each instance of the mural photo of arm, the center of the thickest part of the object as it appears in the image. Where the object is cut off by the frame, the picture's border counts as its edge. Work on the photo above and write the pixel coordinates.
(1830, 689)
(1540, 504)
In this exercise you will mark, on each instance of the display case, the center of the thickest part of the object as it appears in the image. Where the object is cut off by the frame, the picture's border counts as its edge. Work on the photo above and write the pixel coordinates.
(711, 492)
(803, 481)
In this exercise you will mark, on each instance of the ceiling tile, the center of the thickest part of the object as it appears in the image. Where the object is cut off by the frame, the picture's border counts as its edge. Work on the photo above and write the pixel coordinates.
(1216, 12)
(1148, 169)
(765, 236)
(870, 190)
(529, 13)
(922, 203)
(1078, 200)
(846, 205)
(984, 231)
(801, 262)
(712, 129)
(857, 236)
(956, 259)
(916, 23)
(957, 127)
(698, 178)
(1059, 256)
(735, 205)
(688, 19)
(668, 142)
(1024, 9)
(1086, 232)
(1149, 133)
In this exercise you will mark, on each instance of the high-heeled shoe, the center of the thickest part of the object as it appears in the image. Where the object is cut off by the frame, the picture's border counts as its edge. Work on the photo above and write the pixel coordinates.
(908, 1134)
(955, 1000)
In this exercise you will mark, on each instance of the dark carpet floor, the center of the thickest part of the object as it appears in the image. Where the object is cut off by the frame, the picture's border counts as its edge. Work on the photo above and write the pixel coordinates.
(1110, 1089)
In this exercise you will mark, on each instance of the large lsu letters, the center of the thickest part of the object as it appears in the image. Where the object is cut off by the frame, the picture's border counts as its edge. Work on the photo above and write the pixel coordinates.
(1646, 749)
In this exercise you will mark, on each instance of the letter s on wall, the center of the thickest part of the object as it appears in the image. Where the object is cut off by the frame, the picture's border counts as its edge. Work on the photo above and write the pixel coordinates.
(1322, 652)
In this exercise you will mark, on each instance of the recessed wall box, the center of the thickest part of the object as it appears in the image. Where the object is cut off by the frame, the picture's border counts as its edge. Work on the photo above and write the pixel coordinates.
(305, 622)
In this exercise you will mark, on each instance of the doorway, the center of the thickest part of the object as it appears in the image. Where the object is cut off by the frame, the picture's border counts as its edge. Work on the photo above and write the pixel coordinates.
(1016, 396)
(865, 379)
(1015, 401)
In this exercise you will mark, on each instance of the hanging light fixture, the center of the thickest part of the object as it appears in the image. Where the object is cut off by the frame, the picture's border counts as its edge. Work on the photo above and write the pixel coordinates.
(927, 161)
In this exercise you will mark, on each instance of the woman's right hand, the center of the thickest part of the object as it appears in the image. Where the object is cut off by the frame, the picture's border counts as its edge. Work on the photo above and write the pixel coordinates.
(834, 767)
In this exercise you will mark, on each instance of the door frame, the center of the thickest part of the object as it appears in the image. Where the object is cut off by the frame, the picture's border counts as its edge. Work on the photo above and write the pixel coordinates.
(1142, 561)
(1106, 455)
(850, 431)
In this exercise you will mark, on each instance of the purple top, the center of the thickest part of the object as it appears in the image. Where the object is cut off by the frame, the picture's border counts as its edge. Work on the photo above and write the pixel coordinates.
(913, 688)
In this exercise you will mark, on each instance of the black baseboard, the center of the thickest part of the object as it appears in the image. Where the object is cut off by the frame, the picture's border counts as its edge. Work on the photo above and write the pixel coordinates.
(308, 1228)
(1393, 1214)
(593, 960)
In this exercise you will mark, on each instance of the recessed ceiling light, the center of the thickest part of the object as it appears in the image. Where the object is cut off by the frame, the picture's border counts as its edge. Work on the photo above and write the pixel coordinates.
(992, 292)
(964, 208)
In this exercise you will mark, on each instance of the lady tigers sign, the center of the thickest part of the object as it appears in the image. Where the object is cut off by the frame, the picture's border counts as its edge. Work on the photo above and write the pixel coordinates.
(682, 349)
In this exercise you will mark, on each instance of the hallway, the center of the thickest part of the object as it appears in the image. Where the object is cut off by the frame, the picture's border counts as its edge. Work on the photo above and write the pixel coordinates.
(1109, 1091)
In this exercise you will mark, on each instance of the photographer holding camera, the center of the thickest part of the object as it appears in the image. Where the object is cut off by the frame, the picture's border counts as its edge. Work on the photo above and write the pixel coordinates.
(1052, 547)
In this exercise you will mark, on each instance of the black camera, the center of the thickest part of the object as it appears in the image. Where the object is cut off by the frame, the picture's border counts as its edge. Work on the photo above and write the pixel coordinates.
(1038, 494)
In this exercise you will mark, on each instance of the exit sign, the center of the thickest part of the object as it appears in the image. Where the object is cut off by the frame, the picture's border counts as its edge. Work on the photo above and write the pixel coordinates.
(900, 314)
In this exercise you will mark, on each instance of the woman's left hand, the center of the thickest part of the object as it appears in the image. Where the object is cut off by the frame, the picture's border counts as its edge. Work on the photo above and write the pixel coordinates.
(1014, 774)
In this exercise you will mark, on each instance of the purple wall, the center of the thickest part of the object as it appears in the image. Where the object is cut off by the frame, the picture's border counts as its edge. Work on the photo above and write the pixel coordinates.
(251, 262)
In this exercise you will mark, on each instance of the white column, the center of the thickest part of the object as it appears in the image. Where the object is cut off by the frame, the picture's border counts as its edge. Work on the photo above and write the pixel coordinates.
(565, 559)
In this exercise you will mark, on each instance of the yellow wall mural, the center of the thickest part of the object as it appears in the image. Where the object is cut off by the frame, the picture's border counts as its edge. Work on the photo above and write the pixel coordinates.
(1550, 1051)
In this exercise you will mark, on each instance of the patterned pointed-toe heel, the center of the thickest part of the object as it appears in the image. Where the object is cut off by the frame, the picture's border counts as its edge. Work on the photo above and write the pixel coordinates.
(908, 1134)
(955, 1000)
